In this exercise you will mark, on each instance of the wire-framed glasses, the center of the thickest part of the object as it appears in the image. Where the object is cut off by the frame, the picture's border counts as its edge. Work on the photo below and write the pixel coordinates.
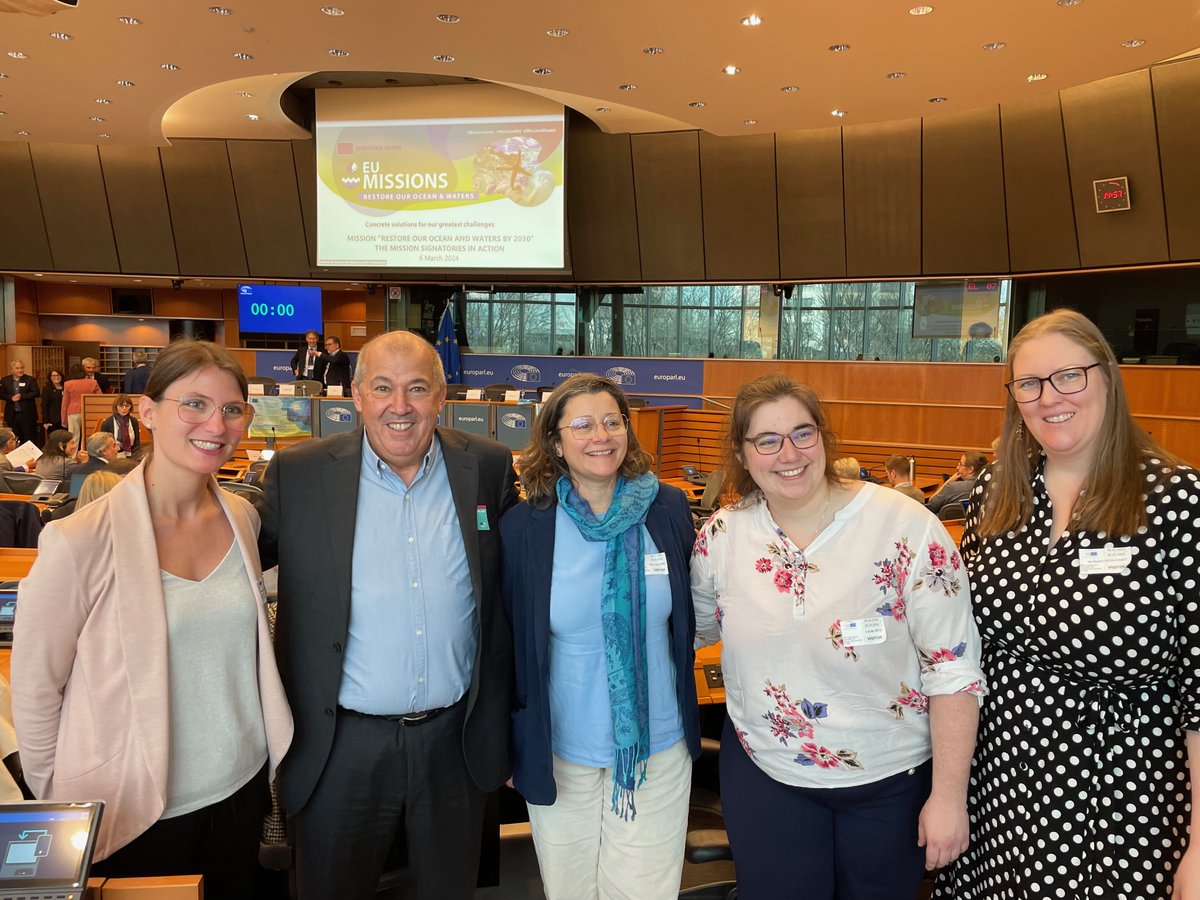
(198, 410)
(585, 426)
(1070, 380)
(769, 443)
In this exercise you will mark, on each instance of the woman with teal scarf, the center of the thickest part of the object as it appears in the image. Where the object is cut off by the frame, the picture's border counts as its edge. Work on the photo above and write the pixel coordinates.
(605, 723)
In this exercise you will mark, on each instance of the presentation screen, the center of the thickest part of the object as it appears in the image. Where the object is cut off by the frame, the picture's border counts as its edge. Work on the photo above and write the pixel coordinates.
(278, 309)
(442, 178)
(956, 309)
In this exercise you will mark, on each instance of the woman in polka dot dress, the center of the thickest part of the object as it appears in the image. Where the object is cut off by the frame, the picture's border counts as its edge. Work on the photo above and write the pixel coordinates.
(1082, 545)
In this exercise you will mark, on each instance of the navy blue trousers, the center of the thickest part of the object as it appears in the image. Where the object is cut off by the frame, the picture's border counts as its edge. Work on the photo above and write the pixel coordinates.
(851, 843)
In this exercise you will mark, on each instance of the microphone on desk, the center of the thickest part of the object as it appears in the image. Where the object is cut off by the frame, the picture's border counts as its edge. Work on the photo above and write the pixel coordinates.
(270, 449)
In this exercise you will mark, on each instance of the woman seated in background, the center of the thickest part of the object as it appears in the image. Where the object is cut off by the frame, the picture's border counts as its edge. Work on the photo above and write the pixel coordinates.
(52, 398)
(123, 426)
(1082, 543)
(75, 388)
(850, 659)
(142, 656)
(60, 456)
(605, 723)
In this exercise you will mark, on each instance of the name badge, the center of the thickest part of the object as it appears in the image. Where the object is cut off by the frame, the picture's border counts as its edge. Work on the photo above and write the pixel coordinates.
(857, 632)
(656, 564)
(1104, 560)
(481, 520)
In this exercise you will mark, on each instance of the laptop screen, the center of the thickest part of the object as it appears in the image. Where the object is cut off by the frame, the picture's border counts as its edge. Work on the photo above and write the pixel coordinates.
(46, 487)
(77, 481)
(8, 609)
(46, 846)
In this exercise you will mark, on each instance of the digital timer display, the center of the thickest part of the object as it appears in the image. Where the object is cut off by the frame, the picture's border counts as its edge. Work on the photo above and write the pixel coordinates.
(278, 309)
(1112, 194)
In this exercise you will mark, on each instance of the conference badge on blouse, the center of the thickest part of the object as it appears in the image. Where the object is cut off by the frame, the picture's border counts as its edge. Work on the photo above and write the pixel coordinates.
(656, 564)
(1104, 560)
(858, 632)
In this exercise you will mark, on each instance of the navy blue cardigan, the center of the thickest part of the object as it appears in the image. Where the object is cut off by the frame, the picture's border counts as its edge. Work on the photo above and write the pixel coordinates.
(527, 539)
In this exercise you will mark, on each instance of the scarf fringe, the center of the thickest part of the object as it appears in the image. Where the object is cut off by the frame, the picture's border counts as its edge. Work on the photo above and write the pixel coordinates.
(629, 769)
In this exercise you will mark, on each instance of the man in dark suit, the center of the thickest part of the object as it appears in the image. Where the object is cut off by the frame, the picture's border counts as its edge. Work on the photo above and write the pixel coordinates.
(91, 366)
(101, 450)
(20, 392)
(392, 641)
(136, 379)
(337, 365)
(307, 363)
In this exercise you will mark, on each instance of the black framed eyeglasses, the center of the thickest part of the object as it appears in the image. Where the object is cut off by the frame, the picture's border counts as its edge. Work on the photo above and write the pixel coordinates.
(1070, 380)
(769, 443)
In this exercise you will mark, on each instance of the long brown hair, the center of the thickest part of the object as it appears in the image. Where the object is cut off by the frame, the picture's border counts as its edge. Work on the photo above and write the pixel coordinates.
(1112, 493)
(752, 395)
(540, 465)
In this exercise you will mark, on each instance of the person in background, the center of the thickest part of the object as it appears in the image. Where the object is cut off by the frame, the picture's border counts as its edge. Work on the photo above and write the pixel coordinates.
(91, 368)
(596, 585)
(307, 363)
(958, 487)
(93, 488)
(60, 456)
(1081, 542)
(850, 660)
(8, 443)
(160, 633)
(101, 452)
(20, 392)
(75, 388)
(336, 368)
(980, 346)
(847, 468)
(52, 399)
(900, 471)
(123, 425)
(136, 378)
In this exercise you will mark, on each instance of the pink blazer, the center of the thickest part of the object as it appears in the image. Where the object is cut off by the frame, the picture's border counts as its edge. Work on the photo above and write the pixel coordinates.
(73, 392)
(89, 663)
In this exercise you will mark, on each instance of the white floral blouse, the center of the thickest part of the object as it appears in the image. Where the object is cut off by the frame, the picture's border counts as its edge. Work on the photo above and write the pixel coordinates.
(830, 654)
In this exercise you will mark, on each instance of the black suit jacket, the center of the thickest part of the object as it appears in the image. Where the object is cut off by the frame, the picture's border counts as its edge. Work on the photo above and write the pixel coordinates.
(336, 370)
(314, 593)
(318, 364)
(29, 393)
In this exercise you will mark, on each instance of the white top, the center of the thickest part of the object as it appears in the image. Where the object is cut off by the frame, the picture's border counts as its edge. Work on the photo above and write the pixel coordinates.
(829, 654)
(217, 740)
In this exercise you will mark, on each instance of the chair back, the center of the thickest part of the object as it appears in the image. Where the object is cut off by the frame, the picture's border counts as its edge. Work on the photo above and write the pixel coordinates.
(712, 490)
(456, 392)
(266, 381)
(306, 387)
(22, 482)
(495, 392)
(637, 402)
(249, 491)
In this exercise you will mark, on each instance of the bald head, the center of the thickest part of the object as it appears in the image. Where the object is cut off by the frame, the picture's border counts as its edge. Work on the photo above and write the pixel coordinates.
(401, 344)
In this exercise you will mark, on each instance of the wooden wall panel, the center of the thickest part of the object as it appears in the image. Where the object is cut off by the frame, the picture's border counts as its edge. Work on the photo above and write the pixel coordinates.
(208, 232)
(268, 202)
(666, 175)
(1177, 113)
(1109, 126)
(812, 210)
(963, 226)
(741, 217)
(1037, 187)
(75, 206)
(23, 241)
(74, 299)
(189, 303)
(601, 208)
(305, 160)
(883, 199)
(137, 203)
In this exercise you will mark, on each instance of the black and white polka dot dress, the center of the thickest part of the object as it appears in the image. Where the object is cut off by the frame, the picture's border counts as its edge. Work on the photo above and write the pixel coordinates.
(1079, 786)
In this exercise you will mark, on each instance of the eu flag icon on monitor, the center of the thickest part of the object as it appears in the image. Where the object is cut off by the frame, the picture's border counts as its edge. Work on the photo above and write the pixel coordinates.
(447, 348)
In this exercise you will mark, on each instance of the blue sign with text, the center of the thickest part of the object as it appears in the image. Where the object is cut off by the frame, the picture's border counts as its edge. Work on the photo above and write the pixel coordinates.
(639, 377)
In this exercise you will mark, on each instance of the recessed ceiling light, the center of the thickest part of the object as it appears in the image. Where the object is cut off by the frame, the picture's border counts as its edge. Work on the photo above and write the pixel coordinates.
(790, 88)
(169, 67)
(24, 133)
(838, 48)
(333, 10)
(938, 99)
(253, 117)
(3, 113)
(749, 121)
(697, 104)
(245, 94)
(129, 20)
(652, 51)
(895, 75)
(242, 56)
(628, 87)
(339, 52)
(603, 109)
(3, 74)
(1069, 2)
(221, 10)
(61, 35)
(96, 119)
(752, 20)
(840, 113)
(557, 32)
(103, 100)
(542, 70)
(730, 70)
(17, 54)
(443, 57)
(1036, 76)
(103, 134)
(920, 10)
(994, 45)
(1134, 42)
(448, 18)
(123, 83)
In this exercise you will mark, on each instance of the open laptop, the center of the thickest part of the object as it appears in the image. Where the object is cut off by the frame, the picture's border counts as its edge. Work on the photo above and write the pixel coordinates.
(46, 848)
(8, 615)
(47, 491)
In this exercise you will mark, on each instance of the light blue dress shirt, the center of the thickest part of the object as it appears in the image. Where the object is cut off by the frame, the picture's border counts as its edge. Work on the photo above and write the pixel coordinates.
(414, 629)
(580, 714)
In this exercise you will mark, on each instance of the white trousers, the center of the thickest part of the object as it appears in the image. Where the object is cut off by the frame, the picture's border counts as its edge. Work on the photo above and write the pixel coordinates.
(586, 852)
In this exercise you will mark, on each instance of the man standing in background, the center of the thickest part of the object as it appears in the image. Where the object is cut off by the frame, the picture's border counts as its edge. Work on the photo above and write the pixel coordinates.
(20, 392)
(136, 378)
(307, 363)
(91, 366)
(337, 365)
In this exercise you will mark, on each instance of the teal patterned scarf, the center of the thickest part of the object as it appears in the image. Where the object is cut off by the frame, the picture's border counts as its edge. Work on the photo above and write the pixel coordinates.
(623, 617)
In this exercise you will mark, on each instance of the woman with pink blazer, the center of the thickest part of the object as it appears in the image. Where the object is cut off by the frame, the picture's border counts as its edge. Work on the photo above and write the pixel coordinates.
(143, 672)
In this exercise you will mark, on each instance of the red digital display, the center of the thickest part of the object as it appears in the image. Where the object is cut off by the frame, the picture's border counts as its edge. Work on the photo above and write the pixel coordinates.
(978, 286)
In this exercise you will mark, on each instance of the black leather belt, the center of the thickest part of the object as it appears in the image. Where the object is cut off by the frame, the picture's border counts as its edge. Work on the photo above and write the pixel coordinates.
(407, 719)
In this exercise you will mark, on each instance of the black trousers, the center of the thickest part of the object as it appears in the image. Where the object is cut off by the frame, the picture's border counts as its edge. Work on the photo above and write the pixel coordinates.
(380, 775)
(23, 422)
(219, 842)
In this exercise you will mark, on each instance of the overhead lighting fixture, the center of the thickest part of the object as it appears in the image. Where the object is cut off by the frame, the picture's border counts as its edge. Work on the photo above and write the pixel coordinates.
(751, 20)
(1036, 76)
(557, 32)
(603, 109)
(333, 10)
(104, 134)
(17, 54)
(3, 113)
(3, 74)
(103, 100)
(749, 121)
(652, 51)
(123, 83)
(790, 88)
(242, 56)
(1134, 42)
(96, 119)
(24, 133)
(61, 35)
(444, 58)
(1069, 2)
(221, 10)
(129, 20)
(994, 45)
(244, 94)
(339, 52)
(895, 75)
(542, 70)
(920, 10)
(697, 104)
(838, 48)
(628, 87)
(840, 113)
(938, 99)
(730, 70)
(253, 117)
(169, 67)
(448, 18)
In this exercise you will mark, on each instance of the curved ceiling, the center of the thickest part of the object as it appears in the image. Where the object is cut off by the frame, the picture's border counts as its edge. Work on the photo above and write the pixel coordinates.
(185, 68)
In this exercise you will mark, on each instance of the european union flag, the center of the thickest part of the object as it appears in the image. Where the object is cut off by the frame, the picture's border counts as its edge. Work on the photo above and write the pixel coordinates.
(447, 348)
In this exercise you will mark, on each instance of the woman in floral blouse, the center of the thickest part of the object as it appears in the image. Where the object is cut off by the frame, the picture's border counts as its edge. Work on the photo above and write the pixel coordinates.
(850, 658)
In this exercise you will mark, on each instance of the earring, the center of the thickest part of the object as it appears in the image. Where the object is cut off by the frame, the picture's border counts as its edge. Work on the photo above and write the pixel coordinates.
(1021, 430)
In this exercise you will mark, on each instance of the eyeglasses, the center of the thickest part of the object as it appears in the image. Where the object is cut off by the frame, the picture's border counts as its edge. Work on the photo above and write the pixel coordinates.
(198, 410)
(1071, 380)
(585, 427)
(768, 443)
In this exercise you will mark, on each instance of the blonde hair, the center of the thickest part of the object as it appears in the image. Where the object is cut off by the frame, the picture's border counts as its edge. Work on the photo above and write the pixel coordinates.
(847, 467)
(1112, 499)
(96, 486)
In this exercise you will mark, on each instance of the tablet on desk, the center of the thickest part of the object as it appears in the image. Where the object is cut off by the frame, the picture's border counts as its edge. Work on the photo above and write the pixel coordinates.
(46, 848)
(45, 490)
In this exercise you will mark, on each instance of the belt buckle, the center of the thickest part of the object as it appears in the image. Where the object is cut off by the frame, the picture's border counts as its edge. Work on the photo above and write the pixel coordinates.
(415, 718)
